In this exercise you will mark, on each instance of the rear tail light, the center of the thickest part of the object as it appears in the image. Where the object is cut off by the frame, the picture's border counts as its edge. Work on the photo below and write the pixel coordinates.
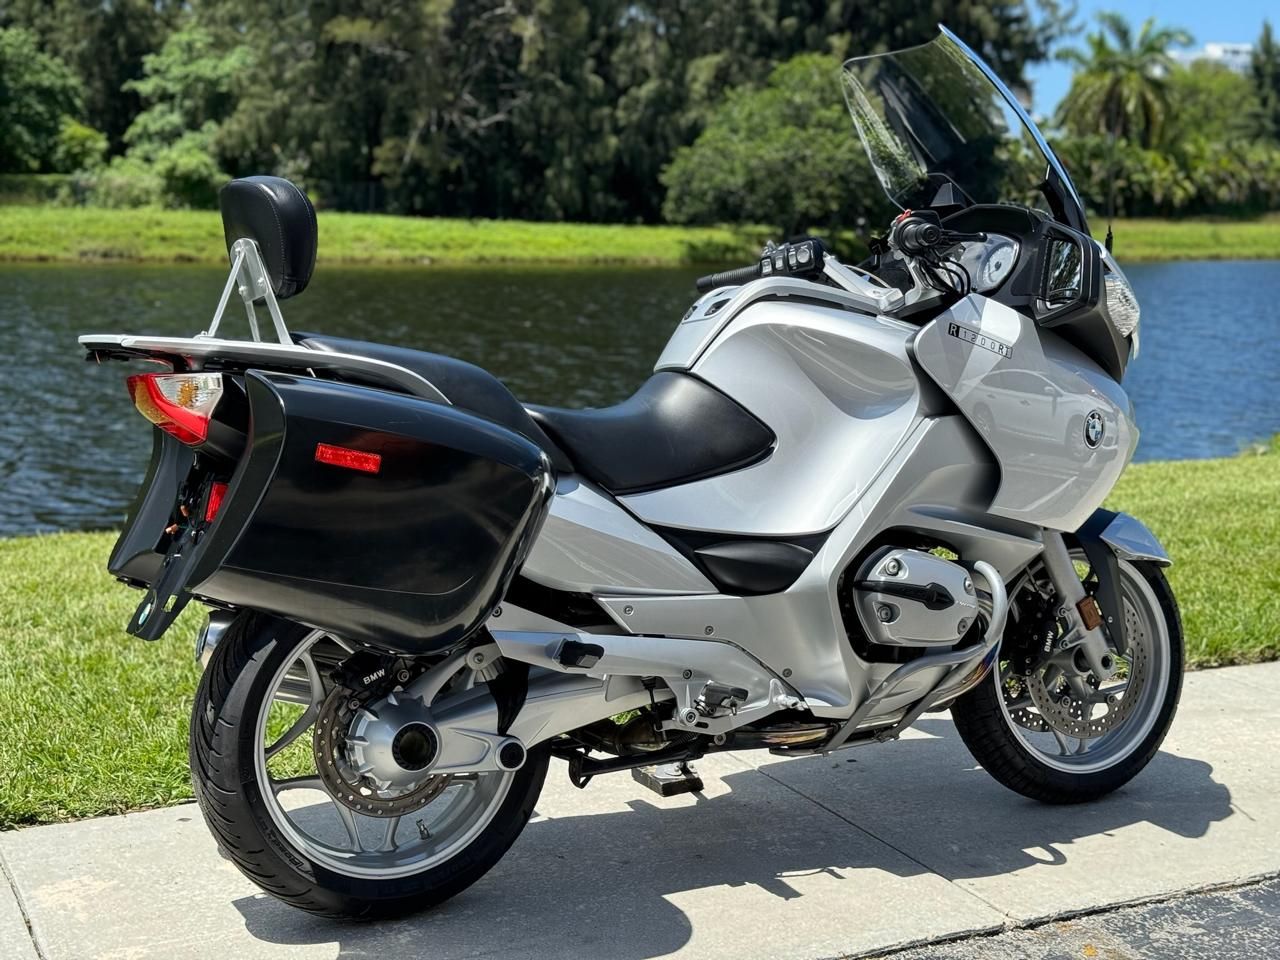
(178, 403)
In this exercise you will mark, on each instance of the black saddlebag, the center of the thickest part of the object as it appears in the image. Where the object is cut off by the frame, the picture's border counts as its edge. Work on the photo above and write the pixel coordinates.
(385, 518)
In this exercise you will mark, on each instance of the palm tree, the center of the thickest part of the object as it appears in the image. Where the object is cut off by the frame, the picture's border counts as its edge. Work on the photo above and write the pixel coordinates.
(1119, 87)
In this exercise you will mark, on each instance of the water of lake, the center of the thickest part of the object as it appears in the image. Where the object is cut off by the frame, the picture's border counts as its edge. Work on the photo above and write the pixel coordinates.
(72, 449)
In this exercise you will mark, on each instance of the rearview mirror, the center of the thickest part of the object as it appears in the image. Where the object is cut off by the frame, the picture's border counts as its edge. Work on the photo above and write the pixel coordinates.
(1064, 273)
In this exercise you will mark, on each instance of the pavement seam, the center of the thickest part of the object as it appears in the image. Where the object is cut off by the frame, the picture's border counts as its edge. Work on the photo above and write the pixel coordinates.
(22, 906)
(1070, 915)
(918, 862)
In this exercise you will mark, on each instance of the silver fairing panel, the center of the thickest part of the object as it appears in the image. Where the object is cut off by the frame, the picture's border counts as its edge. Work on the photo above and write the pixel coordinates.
(938, 482)
(1030, 396)
(837, 389)
(589, 544)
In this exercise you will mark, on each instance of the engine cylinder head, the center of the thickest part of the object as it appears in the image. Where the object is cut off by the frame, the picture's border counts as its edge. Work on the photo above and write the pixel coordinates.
(909, 598)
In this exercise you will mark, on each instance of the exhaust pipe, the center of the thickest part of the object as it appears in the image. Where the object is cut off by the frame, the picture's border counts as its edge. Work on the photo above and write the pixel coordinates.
(210, 635)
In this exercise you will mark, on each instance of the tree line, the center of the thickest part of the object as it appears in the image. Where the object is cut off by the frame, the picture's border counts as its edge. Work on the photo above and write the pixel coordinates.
(1141, 134)
(540, 109)
(591, 110)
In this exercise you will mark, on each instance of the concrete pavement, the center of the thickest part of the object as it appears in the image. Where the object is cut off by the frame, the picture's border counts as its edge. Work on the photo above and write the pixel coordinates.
(865, 851)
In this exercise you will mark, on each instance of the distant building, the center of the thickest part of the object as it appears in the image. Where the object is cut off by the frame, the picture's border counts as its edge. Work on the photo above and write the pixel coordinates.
(1233, 56)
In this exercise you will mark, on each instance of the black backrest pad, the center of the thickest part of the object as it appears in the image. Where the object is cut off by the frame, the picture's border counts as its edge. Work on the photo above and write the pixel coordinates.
(278, 216)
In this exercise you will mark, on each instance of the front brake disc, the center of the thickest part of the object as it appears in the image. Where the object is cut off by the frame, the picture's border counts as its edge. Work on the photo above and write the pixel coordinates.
(1061, 709)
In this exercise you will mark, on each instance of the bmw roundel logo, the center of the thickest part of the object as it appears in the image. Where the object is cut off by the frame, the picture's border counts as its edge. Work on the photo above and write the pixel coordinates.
(1094, 428)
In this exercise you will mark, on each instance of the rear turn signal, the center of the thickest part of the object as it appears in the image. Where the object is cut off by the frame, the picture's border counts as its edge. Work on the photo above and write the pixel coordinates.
(346, 457)
(178, 403)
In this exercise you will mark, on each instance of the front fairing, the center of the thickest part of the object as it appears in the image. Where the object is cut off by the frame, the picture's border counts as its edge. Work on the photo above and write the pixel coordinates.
(942, 130)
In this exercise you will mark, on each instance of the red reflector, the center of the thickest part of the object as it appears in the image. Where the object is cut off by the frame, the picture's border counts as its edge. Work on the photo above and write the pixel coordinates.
(216, 492)
(346, 457)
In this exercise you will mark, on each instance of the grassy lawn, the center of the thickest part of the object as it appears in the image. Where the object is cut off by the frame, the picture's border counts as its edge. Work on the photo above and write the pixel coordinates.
(1193, 239)
(95, 721)
(79, 233)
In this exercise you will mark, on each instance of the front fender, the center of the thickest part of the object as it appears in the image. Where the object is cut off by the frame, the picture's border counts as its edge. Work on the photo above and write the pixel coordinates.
(1106, 538)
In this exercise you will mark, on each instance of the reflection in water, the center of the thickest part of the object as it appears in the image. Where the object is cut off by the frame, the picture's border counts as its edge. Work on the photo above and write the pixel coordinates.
(72, 450)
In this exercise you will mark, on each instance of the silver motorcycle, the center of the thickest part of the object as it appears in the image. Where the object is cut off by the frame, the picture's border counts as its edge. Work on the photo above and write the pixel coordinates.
(848, 495)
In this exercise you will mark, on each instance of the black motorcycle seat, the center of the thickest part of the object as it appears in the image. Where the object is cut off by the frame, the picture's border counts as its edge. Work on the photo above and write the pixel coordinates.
(464, 384)
(674, 429)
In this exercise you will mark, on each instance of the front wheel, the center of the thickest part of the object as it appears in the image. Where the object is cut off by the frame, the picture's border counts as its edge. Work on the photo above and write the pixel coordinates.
(255, 763)
(1045, 731)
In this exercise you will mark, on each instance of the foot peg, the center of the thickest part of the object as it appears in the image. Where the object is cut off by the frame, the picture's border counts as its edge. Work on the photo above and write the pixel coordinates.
(669, 779)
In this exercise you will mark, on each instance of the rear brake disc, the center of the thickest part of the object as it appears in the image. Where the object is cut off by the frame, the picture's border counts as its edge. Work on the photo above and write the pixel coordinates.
(373, 786)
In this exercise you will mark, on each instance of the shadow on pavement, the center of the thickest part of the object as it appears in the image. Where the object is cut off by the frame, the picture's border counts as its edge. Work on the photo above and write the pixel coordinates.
(606, 885)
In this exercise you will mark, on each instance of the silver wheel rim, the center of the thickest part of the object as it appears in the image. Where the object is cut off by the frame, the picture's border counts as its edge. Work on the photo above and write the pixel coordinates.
(1147, 648)
(342, 840)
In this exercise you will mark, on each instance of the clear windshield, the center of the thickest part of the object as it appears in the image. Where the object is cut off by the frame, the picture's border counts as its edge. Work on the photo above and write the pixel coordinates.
(935, 117)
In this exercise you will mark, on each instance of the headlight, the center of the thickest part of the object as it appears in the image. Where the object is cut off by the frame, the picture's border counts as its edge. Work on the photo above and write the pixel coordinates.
(989, 262)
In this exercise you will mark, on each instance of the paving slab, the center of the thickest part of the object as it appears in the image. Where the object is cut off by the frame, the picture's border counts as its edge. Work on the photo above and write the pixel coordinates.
(1205, 811)
(15, 939)
(748, 869)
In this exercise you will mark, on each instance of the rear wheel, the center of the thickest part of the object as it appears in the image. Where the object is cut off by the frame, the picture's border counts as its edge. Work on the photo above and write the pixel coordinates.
(256, 759)
(1050, 733)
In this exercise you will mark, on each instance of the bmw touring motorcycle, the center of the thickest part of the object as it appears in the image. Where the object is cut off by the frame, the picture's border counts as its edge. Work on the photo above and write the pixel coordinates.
(846, 496)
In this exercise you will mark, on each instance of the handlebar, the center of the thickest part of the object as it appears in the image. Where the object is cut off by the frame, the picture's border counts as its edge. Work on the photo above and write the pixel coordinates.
(921, 233)
(803, 257)
(728, 278)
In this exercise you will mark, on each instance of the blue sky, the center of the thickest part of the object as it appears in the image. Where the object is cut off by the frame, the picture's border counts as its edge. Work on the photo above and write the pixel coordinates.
(1229, 21)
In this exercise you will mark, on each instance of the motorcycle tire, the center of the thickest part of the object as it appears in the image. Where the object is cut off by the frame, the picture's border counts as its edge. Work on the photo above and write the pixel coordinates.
(224, 723)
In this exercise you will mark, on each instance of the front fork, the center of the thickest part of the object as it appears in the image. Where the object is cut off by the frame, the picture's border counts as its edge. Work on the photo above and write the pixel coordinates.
(1081, 611)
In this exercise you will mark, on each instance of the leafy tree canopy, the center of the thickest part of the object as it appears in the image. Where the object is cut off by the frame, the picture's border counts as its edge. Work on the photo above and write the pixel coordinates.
(38, 94)
(785, 154)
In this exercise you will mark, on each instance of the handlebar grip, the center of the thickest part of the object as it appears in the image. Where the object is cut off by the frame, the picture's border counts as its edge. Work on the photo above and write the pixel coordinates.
(727, 278)
(917, 236)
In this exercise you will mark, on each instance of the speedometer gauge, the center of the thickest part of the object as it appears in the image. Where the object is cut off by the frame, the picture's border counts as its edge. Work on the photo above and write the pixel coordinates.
(989, 262)
(997, 263)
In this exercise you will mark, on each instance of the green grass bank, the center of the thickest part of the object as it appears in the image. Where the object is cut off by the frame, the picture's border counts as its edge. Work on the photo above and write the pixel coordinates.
(83, 233)
(74, 234)
(95, 722)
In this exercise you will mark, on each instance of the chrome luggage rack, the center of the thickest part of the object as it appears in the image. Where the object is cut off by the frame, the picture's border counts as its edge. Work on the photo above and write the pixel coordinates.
(249, 277)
